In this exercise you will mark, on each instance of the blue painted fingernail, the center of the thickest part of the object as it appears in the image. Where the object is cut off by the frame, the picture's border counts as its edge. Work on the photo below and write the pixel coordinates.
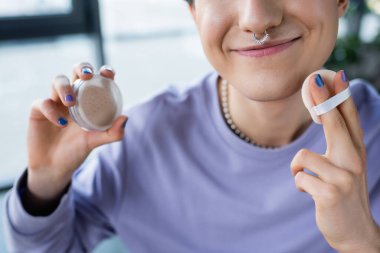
(344, 76)
(124, 124)
(69, 98)
(62, 121)
(86, 71)
(319, 80)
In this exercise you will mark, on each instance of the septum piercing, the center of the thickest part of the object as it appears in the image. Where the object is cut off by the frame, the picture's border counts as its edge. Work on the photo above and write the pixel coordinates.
(262, 40)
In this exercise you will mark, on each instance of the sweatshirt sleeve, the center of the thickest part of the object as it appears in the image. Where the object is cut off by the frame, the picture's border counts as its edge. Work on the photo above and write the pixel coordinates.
(84, 216)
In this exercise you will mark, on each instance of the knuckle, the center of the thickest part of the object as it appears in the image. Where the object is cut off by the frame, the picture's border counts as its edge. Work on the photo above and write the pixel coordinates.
(36, 104)
(299, 177)
(118, 136)
(299, 160)
(58, 79)
(65, 88)
(46, 103)
(358, 165)
(301, 156)
(346, 181)
(47, 106)
(330, 195)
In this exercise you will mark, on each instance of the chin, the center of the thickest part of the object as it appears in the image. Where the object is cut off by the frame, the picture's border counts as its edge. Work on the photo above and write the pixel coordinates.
(267, 89)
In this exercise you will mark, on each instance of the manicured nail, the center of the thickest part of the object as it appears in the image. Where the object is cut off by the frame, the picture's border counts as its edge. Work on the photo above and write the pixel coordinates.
(319, 80)
(124, 124)
(69, 98)
(344, 76)
(87, 71)
(62, 121)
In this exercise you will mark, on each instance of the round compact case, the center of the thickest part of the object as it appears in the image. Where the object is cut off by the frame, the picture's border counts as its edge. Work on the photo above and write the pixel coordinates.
(98, 103)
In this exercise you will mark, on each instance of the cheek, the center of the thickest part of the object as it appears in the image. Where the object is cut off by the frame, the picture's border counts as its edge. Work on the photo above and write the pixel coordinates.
(322, 28)
(212, 28)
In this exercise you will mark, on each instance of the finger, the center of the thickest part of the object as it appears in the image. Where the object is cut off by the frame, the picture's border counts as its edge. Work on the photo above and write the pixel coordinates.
(349, 112)
(334, 126)
(320, 191)
(62, 91)
(115, 133)
(322, 167)
(318, 164)
(48, 110)
(107, 71)
(324, 194)
(83, 71)
(308, 183)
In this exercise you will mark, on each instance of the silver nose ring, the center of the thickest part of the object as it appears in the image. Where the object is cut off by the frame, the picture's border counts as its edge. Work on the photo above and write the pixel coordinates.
(262, 40)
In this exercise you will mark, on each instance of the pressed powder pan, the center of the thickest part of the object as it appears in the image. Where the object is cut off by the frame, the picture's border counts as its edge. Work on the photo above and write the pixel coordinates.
(98, 103)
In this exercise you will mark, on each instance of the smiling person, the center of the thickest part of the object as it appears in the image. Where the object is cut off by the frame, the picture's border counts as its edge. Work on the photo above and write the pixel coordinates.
(220, 166)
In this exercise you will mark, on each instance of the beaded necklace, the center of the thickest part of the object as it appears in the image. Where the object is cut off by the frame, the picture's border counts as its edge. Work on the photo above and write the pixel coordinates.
(231, 124)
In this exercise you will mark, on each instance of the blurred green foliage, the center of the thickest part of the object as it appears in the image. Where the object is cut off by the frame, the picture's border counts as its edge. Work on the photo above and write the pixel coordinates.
(354, 55)
(346, 52)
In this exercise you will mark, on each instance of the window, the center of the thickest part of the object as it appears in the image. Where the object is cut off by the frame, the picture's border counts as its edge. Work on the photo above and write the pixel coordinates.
(150, 43)
(17, 8)
(29, 41)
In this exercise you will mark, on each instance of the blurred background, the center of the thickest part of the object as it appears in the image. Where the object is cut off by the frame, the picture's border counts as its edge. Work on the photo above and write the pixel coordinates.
(150, 43)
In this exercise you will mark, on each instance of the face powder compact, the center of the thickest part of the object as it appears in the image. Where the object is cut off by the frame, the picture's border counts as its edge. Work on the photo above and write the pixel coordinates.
(98, 103)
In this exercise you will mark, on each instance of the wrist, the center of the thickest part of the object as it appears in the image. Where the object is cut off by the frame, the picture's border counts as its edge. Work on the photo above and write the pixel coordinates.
(377, 239)
(374, 243)
(41, 198)
(371, 245)
(44, 186)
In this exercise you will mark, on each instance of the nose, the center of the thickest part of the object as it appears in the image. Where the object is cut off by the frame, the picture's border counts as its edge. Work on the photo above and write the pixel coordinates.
(256, 16)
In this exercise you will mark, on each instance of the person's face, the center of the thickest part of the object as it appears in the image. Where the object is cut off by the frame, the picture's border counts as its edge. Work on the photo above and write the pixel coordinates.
(309, 28)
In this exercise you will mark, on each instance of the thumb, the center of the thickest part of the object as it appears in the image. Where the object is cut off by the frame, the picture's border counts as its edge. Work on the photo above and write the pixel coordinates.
(115, 133)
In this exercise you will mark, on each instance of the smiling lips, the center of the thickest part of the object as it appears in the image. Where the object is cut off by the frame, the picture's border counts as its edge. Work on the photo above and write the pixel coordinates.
(267, 49)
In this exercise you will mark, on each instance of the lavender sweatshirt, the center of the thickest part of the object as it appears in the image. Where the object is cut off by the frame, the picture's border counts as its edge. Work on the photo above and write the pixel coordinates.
(182, 182)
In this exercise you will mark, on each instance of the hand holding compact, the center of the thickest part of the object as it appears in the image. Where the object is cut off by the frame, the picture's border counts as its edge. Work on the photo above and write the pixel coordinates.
(339, 186)
(56, 145)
